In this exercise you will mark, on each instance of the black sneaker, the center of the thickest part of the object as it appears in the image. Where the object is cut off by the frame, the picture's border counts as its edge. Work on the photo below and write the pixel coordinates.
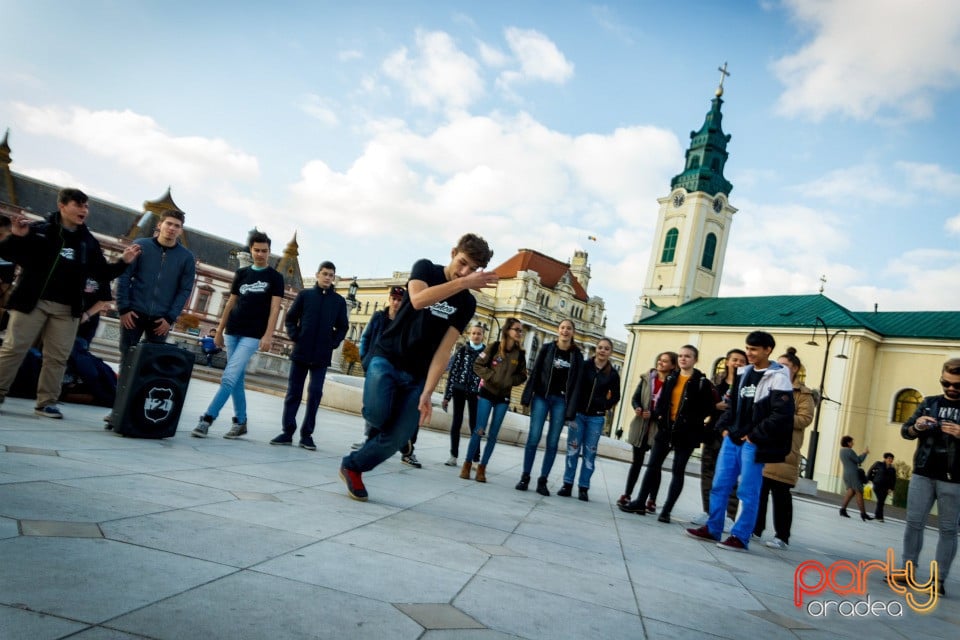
(306, 442)
(283, 438)
(411, 460)
(565, 490)
(49, 411)
(634, 506)
(354, 482)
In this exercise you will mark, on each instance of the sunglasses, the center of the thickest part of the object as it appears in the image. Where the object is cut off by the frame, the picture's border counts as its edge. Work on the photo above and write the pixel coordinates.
(949, 385)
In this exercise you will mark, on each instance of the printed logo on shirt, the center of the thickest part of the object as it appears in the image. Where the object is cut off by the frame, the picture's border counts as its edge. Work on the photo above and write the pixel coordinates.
(442, 309)
(67, 253)
(559, 363)
(92, 286)
(748, 392)
(259, 286)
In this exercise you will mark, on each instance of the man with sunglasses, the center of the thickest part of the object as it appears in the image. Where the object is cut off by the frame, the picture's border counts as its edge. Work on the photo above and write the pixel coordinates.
(935, 425)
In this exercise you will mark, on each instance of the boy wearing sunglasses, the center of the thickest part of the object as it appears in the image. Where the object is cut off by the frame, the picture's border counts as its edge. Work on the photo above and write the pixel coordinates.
(935, 425)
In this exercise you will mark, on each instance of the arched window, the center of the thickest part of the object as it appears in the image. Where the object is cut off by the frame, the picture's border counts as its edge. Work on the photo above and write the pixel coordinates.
(694, 162)
(719, 368)
(906, 403)
(709, 251)
(670, 245)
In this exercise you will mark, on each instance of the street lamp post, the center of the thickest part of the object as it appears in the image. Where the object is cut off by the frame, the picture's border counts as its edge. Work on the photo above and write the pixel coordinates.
(815, 435)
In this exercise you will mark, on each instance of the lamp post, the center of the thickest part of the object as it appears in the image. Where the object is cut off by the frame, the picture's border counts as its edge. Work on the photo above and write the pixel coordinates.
(815, 436)
(352, 294)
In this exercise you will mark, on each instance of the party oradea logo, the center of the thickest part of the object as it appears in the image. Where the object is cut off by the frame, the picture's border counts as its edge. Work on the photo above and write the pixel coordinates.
(848, 581)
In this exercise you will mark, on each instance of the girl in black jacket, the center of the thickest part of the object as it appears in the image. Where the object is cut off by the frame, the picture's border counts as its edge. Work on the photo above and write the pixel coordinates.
(687, 400)
(597, 391)
(462, 386)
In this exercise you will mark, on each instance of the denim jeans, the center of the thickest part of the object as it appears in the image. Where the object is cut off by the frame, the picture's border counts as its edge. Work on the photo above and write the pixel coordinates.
(484, 410)
(391, 398)
(239, 351)
(920, 496)
(736, 461)
(291, 403)
(583, 436)
(540, 408)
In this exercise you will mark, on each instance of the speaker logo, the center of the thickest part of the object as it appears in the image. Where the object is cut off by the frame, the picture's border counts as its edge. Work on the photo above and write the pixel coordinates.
(158, 404)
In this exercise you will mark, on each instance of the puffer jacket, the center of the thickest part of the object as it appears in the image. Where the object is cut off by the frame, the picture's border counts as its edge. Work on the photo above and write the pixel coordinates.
(500, 375)
(37, 254)
(788, 471)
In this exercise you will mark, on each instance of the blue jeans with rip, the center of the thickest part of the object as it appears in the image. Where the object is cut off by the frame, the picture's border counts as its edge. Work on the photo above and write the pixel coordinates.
(291, 403)
(583, 436)
(486, 408)
(391, 399)
(540, 408)
(239, 351)
(736, 461)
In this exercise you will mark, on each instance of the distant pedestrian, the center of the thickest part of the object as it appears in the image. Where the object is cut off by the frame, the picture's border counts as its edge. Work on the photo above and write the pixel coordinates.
(597, 391)
(208, 344)
(463, 384)
(850, 462)
(883, 475)
(548, 392)
(413, 352)
(246, 326)
(317, 324)
(501, 366)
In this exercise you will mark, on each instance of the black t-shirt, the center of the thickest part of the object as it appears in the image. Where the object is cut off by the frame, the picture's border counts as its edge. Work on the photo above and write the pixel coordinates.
(561, 370)
(937, 465)
(413, 336)
(255, 291)
(61, 284)
(746, 393)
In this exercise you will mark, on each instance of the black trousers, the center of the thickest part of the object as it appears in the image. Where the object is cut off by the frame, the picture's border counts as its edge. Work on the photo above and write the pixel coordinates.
(881, 493)
(782, 508)
(461, 398)
(651, 478)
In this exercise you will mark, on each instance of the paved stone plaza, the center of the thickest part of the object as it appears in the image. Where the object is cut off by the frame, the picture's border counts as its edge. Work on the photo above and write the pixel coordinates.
(110, 537)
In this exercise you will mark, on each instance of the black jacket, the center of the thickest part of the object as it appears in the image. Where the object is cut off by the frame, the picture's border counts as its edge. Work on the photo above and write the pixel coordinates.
(596, 391)
(37, 254)
(462, 376)
(538, 382)
(882, 476)
(697, 403)
(317, 324)
(770, 424)
(930, 440)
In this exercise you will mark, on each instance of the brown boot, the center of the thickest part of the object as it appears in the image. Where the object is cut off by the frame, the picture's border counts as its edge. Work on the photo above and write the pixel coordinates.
(465, 470)
(481, 473)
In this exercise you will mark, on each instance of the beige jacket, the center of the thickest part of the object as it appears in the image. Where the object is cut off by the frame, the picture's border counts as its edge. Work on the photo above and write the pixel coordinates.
(789, 470)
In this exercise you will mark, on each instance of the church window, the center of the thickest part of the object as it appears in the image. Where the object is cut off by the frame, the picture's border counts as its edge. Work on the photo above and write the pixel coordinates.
(203, 301)
(906, 403)
(694, 162)
(670, 245)
(709, 251)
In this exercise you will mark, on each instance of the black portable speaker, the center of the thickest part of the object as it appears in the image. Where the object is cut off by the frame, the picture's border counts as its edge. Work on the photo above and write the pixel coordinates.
(153, 386)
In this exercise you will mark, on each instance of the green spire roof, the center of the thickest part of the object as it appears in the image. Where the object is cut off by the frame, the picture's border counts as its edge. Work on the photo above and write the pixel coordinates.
(706, 156)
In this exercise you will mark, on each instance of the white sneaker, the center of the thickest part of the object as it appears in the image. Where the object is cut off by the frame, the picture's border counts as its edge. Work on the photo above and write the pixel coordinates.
(776, 543)
(700, 520)
(451, 462)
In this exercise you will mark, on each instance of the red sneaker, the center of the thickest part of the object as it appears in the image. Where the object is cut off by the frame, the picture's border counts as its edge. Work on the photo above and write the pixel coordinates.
(702, 533)
(733, 543)
(354, 483)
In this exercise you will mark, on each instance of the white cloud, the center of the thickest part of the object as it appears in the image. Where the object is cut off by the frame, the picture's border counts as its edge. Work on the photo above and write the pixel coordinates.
(539, 58)
(931, 176)
(137, 142)
(491, 56)
(321, 109)
(921, 280)
(349, 54)
(438, 75)
(952, 225)
(858, 183)
(868, 58)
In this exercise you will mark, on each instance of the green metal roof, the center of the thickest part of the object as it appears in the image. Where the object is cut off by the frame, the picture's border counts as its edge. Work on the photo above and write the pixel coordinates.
(802, 311)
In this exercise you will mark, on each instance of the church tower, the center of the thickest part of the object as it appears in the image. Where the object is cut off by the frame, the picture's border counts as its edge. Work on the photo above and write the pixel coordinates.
(693, 225)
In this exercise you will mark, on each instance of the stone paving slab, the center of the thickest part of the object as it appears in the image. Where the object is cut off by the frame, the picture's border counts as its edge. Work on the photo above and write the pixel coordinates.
(215, 538)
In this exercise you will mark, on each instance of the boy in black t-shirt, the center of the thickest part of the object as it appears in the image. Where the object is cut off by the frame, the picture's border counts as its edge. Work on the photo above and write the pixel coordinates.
(412, 353)
(246, 325)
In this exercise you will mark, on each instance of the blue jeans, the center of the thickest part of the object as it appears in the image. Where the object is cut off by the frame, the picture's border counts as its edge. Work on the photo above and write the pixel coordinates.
(736, 461)
(484, 408)
(583, 436)
(540, 408)
(920, 496)
(391, 398)
(291, 403)
(239, 351)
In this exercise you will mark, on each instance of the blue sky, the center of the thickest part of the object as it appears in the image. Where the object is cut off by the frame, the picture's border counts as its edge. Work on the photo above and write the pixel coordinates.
(381, 131)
